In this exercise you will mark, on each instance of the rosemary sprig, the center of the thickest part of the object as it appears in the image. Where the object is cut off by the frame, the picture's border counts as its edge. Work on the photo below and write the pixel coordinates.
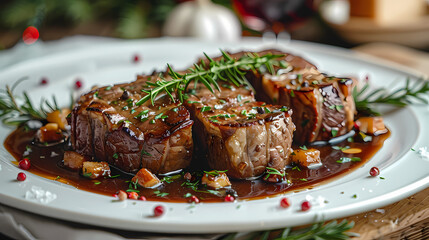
(331, 230)
(14, 113)
(226, 69)
(364, 99)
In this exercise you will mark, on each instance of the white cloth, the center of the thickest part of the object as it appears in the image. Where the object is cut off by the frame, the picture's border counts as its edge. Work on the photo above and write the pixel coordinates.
(19, 224)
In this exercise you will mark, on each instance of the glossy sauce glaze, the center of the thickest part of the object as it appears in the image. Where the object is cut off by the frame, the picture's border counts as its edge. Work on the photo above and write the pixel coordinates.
(47, 162)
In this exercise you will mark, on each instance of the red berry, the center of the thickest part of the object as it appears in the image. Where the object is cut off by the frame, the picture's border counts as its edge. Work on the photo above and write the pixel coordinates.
(305, 206)
(30, 35)
(142, 198)
(133, 195)
(229, 198)
(356, 126)
(285, 202)
(24, 164)
(194, 199)
(136, 58)
(78, 84)
(374, 172)
(115, 195)
(43, 81)
(158, 211)
(122, 195)
(21, 176)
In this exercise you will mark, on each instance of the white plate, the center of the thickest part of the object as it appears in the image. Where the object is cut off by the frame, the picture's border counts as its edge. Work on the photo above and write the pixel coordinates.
(405, 172)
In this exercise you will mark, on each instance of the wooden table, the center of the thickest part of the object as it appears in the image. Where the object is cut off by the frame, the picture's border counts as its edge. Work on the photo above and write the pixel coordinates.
(409, 218)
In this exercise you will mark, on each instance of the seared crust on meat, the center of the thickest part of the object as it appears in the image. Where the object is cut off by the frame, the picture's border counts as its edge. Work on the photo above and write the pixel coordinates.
(106, 124)
(238, 134)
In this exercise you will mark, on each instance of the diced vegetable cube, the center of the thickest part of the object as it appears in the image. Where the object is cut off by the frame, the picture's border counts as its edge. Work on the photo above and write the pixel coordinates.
(215, 179)
(306, 158)
(59, 117)
(146, 179)
(50, 133)
(371, 125)
(74, 160)
(95, 170)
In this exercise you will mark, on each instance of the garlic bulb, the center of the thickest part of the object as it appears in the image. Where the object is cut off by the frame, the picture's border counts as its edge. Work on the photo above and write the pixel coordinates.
(203, 19)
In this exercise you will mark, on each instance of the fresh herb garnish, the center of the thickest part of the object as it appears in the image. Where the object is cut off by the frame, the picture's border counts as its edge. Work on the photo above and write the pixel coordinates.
(160, 194)
(346, 159)
(205, 109)
(304, 148)
(272, 171)
(15, 114)
(170, 179)
(331, 230)
(401, 97)
(226, 69)
(340, 148)
(214, 173)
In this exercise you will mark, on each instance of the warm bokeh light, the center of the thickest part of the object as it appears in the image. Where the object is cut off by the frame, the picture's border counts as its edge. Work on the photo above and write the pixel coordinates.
(30, 35)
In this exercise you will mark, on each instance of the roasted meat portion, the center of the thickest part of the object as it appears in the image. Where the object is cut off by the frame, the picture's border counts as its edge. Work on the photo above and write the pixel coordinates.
(108, 125)
(323, 106)
(238, 134)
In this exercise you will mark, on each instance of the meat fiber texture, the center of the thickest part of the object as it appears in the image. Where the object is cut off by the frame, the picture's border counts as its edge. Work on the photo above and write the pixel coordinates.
(323, 106)
(238, 134)
(106, 124)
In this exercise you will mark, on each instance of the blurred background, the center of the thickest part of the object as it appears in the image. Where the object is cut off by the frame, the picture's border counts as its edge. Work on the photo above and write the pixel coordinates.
(364, 24)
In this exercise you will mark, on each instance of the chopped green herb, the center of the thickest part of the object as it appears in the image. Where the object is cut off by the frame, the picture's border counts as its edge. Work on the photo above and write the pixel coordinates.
(346, 159)
(205, 109)
(243, 112)
(175, 109)
(191, 102)
(152, 121)
(115, 156)
(296, 168)
(284, 109)
(303, 179)
(96, 183)
(145, 153)
(292, 93)
(114, 176)
(108, 88)
(132, 190)
(303, 147)
(158, 116)
(239, 98)
(160, 194)
(354, 196)
(187, 195)
(170, 179)
(267, 110)
(132, 111)
(222, 101)
(382, 178)
(340, 148)
(58, 177)
(214, 173)
(334, 132)
(272, 171)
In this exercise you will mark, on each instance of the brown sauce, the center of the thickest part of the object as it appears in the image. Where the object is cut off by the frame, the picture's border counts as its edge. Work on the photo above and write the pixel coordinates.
(47, 162)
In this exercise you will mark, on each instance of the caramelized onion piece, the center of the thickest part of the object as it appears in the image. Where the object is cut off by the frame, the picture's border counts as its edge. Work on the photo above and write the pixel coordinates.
(146, 179)
(215, 181)
(95, 170)
(309, 158)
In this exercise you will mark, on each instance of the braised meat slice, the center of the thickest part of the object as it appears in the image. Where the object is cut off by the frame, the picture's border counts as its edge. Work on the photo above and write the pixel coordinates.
(323, 106)
(238, 134)
(107, 124)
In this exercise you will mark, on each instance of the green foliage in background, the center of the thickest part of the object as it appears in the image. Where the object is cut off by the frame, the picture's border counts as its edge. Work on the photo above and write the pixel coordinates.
(131, 18)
